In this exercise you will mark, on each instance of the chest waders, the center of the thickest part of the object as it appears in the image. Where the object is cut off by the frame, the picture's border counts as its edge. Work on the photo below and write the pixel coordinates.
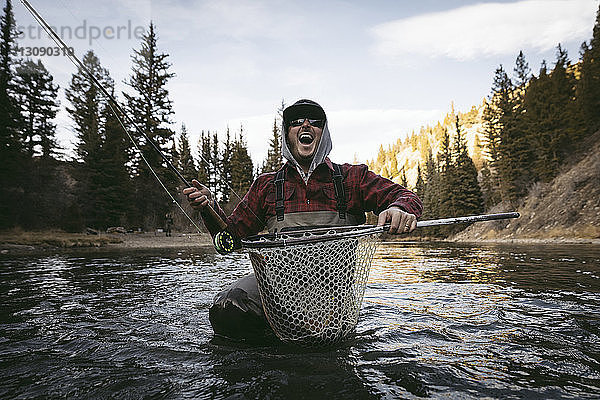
(237, 311)
(312, 219)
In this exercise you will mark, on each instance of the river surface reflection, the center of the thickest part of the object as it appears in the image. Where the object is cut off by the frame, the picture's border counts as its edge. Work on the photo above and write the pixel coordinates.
(438, 320)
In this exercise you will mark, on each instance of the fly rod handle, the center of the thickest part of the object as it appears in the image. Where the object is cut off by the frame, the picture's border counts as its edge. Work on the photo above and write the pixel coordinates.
(212, 219)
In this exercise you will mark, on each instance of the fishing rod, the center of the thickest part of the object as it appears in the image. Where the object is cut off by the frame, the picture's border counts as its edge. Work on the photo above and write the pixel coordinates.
(209, 215)
(471, 218)
(319, 235)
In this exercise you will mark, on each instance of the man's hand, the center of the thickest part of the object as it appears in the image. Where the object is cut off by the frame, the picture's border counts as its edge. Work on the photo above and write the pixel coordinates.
(199, 196)
(400, 221)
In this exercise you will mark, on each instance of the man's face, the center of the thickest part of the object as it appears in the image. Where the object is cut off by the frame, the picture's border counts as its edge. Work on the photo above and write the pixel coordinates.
(303, 140)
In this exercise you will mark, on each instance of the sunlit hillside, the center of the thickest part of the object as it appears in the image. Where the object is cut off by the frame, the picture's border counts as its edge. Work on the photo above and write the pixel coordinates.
(406, 155)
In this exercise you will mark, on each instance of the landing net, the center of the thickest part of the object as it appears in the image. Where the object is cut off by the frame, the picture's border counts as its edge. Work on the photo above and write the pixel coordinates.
(312, 282)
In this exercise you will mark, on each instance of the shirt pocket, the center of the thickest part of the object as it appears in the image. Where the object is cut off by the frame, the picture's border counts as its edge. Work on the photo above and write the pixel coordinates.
(288, 193)
(328, 192)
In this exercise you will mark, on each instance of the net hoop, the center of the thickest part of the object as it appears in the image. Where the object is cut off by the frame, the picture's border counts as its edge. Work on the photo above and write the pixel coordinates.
(308, 236)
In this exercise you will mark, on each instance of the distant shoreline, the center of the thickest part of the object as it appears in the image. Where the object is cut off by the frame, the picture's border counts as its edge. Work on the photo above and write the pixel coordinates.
(51, 241)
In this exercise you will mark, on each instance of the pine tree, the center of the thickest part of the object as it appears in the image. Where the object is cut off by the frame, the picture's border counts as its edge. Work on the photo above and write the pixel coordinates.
(522, 72)
(9, 116)
(561, 126)
(506, 148)
(151, 109)
(87, 108)
(204, 167)
(226, 169)
(385, 172)
(467, 195)
(538, 117)
(13, 166)
(420, 185)
(447, 177)
(588, 88)
(215, 176)
(516, 144)
(112, 181)
(489, 186)
(38, 99)
(274, 159)
(241, 166)
(394, 172)
(381, 159)
(280, 110)
(431, 198)
(403, 180)
(187, 164)
(492, 131)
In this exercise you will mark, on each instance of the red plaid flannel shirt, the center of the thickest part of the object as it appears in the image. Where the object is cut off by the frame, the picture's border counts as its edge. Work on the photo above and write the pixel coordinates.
(365, 191)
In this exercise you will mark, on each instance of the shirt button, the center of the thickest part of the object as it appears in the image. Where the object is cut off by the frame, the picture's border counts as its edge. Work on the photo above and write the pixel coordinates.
(307, 201)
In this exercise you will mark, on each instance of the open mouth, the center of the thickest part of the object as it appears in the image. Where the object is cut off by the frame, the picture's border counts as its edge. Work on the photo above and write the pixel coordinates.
(306, 138)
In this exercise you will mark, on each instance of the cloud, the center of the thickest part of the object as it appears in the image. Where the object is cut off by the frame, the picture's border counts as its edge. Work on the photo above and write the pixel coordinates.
(360, 132)
(486, 30)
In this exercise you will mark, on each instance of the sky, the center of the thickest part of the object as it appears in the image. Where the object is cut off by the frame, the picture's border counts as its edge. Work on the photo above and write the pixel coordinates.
(380, 69)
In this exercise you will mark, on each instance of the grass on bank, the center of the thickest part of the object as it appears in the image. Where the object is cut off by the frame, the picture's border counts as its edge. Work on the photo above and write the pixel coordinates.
(56, 238)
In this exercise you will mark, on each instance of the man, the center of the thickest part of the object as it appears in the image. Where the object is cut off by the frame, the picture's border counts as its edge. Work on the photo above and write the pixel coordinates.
(308, 191)
(168, 223)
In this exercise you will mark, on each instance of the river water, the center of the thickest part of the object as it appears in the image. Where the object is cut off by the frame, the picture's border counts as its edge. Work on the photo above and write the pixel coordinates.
(438, 320)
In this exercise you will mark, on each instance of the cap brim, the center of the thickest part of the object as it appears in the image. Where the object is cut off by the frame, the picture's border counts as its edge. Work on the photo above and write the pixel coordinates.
(303, 111)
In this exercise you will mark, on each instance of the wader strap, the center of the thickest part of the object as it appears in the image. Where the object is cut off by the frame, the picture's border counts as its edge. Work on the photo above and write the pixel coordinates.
(340, 193)
(279, 181)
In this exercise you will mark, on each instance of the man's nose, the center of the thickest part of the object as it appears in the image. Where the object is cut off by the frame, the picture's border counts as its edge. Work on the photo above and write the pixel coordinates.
(305, 123)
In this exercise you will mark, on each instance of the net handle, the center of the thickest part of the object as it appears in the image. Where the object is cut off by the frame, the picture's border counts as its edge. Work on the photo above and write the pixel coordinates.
(308, 236)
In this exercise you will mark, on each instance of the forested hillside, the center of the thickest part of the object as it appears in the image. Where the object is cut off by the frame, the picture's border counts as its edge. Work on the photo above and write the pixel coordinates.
(518, 139)
(564, 209)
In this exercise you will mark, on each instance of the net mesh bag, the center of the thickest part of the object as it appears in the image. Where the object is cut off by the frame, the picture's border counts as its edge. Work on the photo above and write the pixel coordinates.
(312, 283)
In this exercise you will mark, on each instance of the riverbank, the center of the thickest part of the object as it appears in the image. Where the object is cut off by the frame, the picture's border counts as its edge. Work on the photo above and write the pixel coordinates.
(18, 242)
(564, 210)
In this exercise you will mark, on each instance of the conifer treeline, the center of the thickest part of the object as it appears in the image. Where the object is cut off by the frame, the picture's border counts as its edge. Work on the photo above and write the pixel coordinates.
(521, 134)
(108, 183)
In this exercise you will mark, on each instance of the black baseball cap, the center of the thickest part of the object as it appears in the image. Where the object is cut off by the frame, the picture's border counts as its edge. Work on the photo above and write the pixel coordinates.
(303, 109)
